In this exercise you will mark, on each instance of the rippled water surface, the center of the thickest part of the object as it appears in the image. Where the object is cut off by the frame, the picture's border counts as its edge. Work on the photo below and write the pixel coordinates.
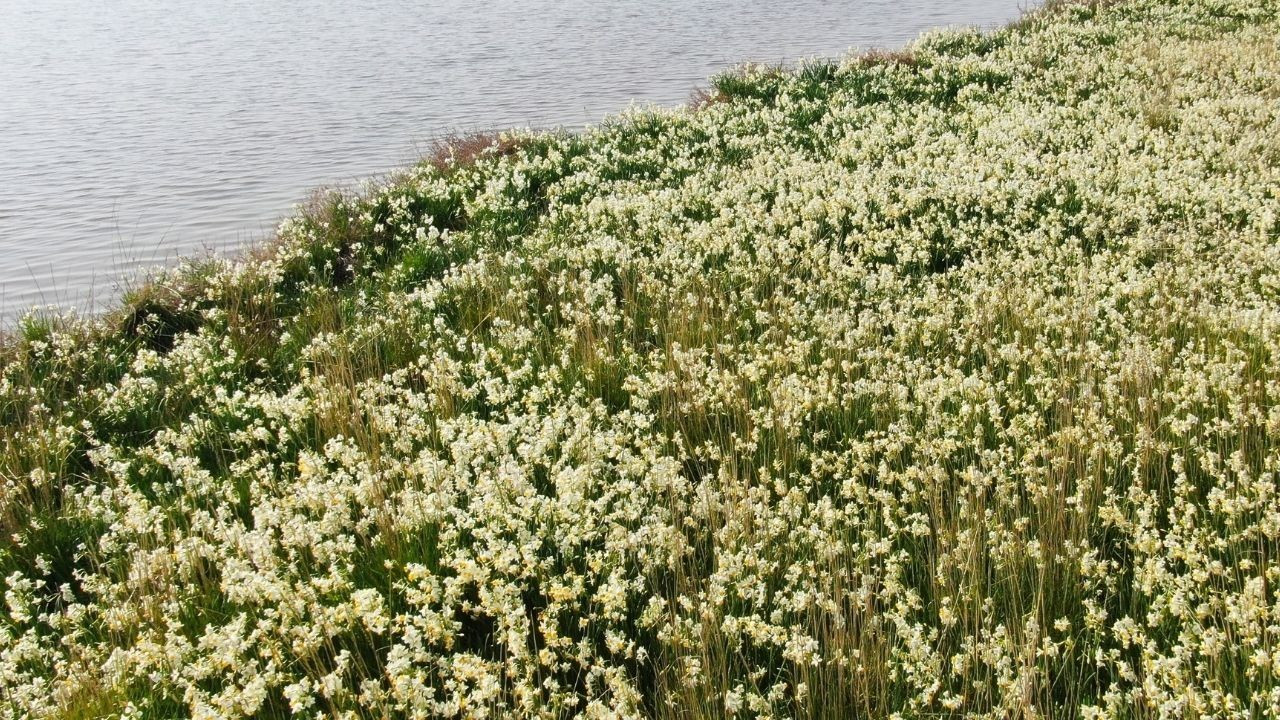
(134, 131)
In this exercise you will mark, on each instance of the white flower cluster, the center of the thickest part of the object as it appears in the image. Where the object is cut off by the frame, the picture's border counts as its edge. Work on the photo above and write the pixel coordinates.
(936, 383)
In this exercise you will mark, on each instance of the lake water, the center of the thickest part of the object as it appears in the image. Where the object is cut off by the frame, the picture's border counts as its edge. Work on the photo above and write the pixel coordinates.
(136, 131)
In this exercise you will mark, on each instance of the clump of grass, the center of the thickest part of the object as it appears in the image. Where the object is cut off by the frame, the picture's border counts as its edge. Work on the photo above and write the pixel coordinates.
(463, 150)
(880, 56)
(702, 98)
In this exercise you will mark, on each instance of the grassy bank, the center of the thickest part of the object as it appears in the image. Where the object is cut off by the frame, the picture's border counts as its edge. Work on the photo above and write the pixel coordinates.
(943, 382)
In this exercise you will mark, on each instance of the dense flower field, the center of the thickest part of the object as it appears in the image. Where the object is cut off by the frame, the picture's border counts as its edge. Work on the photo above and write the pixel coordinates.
(943, 382)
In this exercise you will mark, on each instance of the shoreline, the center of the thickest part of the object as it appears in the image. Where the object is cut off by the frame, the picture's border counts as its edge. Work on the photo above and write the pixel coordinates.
(186, 184)
(93, 303)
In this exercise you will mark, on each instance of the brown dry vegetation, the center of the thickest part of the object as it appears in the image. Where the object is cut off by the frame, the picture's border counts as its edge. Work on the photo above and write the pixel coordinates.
(463, 150)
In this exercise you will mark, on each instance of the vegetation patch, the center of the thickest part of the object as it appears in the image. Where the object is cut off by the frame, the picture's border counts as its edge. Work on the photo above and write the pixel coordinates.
(942, 382)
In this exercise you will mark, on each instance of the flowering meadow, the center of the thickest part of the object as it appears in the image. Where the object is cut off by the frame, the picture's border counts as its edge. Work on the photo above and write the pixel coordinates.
(942, 382)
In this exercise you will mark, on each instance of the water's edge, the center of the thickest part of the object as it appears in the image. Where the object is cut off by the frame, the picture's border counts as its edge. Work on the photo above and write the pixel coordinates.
(127, 152)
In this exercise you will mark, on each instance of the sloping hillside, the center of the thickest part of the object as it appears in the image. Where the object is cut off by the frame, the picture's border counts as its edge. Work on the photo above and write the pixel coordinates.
(941, 382)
